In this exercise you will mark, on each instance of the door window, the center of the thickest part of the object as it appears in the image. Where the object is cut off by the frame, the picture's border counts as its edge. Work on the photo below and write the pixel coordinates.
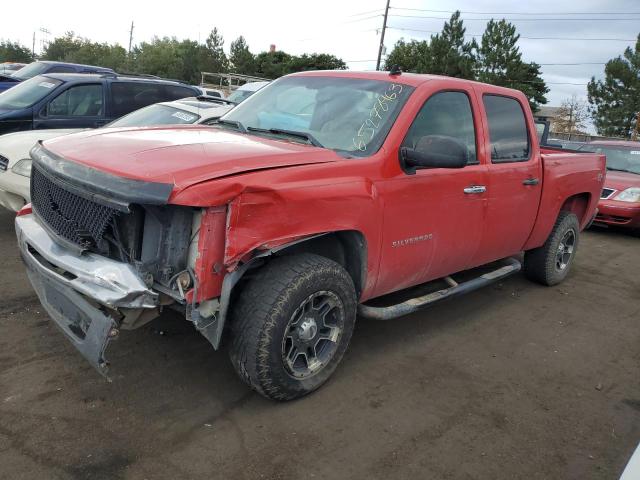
(507, 129)
(78, 101)
(130, 96)
(445, 114)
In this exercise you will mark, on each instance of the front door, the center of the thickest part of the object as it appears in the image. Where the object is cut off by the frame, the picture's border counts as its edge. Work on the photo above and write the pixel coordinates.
(79, 106)
(433, 219)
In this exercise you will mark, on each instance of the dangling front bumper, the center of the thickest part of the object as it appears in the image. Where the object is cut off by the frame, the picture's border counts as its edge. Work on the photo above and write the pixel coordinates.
(82, 293)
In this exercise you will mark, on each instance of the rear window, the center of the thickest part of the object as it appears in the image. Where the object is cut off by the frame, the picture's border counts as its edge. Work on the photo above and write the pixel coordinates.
(156, 115)
(27, 93)
(507, 129)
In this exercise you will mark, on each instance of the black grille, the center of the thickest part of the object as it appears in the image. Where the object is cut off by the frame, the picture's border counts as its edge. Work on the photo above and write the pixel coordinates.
(70, 216)
(607, 192)
(4, 163)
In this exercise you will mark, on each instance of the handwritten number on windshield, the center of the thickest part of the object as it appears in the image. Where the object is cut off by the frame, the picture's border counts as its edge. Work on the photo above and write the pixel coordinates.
(370, 126)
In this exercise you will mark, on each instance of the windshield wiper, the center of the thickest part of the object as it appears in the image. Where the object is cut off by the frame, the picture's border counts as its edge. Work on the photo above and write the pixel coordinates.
(618, 169)
(234, 123)
(205, 98)
(291, 133)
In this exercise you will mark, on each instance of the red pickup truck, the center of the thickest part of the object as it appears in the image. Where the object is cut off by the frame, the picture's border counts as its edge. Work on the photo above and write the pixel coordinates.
(310, 202)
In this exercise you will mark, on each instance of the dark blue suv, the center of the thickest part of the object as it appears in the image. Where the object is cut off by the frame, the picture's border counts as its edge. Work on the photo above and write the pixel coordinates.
(44, 66)
(59, 100)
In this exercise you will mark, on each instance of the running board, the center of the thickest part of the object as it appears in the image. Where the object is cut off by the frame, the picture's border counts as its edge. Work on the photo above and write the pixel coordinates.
(418, 303)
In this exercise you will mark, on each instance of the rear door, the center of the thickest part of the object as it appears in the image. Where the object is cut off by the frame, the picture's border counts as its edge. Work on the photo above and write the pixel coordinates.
(515, 176)
(433, 219)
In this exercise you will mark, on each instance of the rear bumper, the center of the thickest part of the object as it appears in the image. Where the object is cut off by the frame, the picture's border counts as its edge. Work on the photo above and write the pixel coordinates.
(621, 214)
(81, 293)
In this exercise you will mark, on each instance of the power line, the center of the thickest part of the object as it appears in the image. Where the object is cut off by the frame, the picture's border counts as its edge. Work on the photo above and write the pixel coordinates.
(580, 39)
(377, 10)
(527, 19)
(516, 13)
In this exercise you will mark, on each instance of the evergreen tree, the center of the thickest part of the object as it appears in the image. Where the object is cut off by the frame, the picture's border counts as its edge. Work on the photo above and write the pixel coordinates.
(409, 56)
(615, 102)
(241, 59)
(14, 52)
(315, 61)
(448, 53)
(500, 63)
(272, 64)
(215, 60)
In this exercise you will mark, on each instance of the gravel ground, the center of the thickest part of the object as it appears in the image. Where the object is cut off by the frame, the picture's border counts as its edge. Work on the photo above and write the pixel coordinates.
(512, 381)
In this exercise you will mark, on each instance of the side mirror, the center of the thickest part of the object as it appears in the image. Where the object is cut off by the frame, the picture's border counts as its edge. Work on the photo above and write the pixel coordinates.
(436, 151)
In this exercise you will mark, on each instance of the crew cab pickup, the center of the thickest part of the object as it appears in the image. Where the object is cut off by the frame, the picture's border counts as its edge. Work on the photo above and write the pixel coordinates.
(307, 204)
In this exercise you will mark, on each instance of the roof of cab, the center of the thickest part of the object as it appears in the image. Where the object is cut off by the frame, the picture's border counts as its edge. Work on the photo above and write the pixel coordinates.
(411, 79)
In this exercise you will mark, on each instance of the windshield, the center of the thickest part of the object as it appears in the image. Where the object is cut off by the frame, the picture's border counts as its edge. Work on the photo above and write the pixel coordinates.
(156, 115)
(348, 115)
(240, 95)
(31, 70)
(27, 93)
(618, 159)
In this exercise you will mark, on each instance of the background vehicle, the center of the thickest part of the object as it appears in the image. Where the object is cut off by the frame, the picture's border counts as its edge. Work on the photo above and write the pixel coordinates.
(7, 68)
(245, 91)
(15, 163)
(7, 81)
(620, 200)
(43, 66)
(62, 100)
(314, 198)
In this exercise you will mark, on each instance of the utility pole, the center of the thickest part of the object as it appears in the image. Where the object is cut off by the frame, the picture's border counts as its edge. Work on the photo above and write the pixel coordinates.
(384, 27)
(130, 37)
(33, 47)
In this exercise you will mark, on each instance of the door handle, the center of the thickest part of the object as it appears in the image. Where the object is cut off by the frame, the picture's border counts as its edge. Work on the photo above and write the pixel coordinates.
(475, 189)
(530, 181)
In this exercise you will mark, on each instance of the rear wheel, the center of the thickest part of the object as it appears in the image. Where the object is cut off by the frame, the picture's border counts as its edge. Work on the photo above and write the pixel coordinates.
(550, 263)
(291, 325)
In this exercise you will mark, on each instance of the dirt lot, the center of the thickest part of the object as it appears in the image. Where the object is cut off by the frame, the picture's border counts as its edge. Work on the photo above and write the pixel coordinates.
(513, 381)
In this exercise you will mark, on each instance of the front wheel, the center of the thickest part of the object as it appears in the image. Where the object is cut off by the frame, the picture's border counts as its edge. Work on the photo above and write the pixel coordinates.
(550, 263)
(291, 325)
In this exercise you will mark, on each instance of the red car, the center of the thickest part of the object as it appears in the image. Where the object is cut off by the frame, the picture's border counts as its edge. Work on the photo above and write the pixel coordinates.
(306, 204)
(620, 200)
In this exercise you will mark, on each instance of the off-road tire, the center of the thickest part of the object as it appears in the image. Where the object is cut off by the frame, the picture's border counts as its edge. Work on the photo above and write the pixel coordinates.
(540, 263)
(261, 315)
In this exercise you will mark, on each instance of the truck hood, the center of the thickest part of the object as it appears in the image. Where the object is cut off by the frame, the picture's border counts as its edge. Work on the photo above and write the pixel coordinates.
(621, 180)
(182, 156)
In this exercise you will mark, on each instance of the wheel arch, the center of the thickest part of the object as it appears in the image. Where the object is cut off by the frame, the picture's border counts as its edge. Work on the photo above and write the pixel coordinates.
(347, 248)
(578, 204)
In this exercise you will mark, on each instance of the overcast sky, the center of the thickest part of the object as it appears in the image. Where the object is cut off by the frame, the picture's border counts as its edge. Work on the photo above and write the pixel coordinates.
(349, 30)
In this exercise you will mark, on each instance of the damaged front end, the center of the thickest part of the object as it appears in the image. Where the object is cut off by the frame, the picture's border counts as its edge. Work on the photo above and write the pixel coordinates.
(87, 296)
(104, 255)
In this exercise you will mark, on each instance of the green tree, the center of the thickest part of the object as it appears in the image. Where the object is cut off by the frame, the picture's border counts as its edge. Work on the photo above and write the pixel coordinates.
(272, 64)
(446, 53)
(315, 61)
(213, 58)
(160, 56)
(409, 56)
(500, 63)
(449, 54)
(14, 52)
(70, 48)
(615, 101)
(240, 58)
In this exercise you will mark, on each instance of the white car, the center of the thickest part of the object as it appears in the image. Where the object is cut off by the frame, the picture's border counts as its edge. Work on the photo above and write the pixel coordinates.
(15, 162)
(245, 91)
